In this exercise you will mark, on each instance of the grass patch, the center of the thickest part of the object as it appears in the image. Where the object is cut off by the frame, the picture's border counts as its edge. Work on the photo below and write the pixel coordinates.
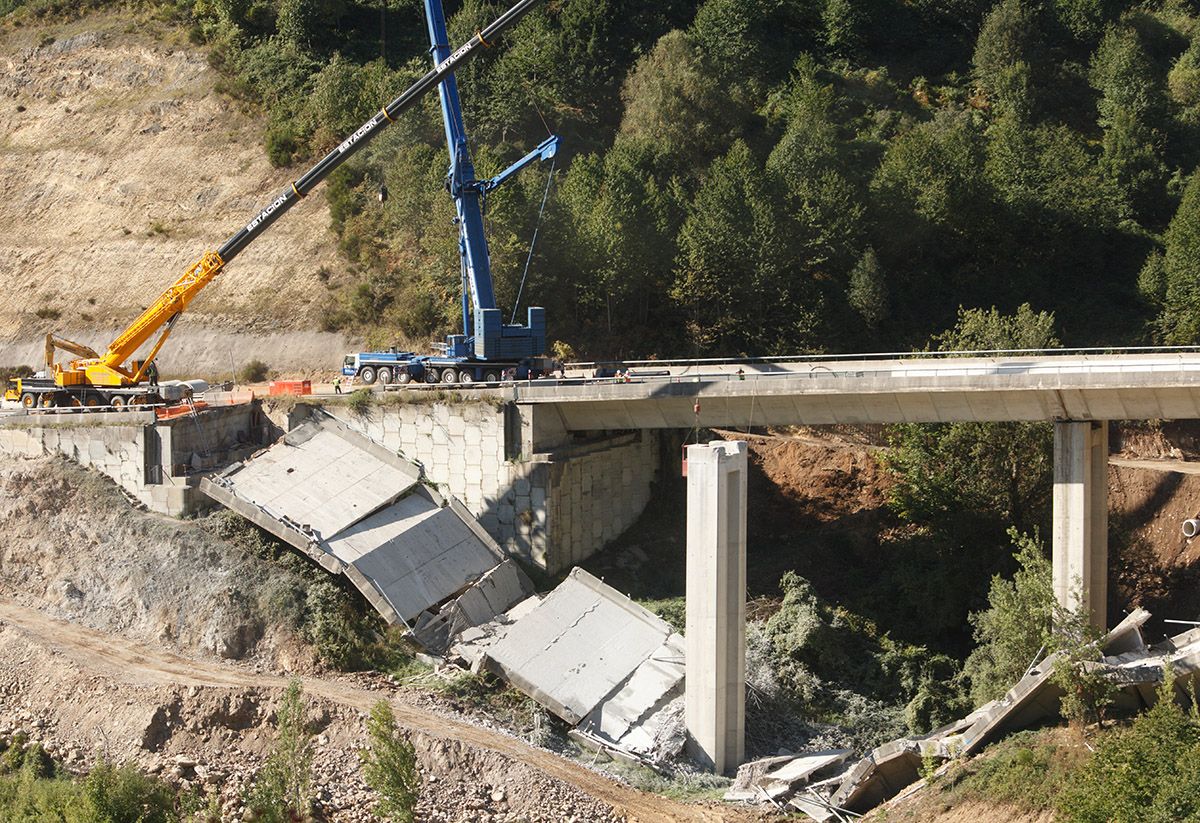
(359, 402)
(682, 784)
(671, 609)
(1027, 770)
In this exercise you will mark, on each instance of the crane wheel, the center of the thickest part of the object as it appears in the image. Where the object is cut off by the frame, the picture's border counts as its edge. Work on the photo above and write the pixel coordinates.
(117, 401)
(449, 376)
(385, 375)
(29, 400)
(91, 400)
(466, 377)
(404, 378)
(431, 376)
(491, 377)
(46, 401)
(367, 375)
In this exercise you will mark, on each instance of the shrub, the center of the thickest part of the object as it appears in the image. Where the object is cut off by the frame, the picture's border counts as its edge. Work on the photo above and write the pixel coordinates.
(1146, 773)
(390, 766)
(122, 794)
(283, 143)
(47, 313)
(360, 402)
(255, 371)
(282, 787)
(1087, 692)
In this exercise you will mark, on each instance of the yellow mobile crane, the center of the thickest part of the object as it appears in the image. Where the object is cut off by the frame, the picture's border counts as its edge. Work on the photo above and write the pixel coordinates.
(114, 378)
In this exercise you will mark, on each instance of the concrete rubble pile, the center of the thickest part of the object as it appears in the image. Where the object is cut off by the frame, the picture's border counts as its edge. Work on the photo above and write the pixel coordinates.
(584, 651)
(884, 772)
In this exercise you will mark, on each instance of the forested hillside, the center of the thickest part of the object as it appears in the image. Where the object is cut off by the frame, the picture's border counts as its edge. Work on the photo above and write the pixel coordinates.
(756, 176)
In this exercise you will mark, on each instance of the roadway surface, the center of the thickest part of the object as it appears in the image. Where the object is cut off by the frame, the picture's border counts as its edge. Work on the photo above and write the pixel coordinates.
(920, 387)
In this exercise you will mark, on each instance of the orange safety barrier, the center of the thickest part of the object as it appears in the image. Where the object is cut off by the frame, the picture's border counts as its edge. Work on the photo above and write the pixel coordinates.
(290, 387)
(171, 412)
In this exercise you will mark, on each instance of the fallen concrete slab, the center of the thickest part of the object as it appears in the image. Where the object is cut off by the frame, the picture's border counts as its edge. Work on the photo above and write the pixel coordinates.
(578, 646)
(322, 477)
(359, 510)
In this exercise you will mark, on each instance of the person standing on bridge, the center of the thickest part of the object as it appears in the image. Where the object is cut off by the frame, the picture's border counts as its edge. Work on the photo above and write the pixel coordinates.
(152, 373)
(337, 385)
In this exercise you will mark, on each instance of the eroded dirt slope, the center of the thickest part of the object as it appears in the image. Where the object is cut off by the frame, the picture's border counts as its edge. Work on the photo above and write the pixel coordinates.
(75, 549)
(120, 165)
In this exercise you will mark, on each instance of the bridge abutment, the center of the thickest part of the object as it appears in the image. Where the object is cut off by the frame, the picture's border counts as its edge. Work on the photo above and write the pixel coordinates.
(1080, 518)
(548, 496)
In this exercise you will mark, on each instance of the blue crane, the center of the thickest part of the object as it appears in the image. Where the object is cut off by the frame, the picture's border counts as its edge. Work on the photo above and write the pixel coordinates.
(492, 339)
(487, 347)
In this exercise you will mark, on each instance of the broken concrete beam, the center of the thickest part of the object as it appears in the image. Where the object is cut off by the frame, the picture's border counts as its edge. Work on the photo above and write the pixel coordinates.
(494, 594)
(879, 776)
(1033, 698)
(775, 777)
(1126, 637)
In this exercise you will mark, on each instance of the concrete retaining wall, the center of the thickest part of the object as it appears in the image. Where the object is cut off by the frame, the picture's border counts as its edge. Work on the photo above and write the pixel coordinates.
(147, 458)
(551, 508)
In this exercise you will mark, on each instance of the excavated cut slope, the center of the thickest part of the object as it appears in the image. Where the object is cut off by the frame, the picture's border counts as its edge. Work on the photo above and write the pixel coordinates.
(121, 164)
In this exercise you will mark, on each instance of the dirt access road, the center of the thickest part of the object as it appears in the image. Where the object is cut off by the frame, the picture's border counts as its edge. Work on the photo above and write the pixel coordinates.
(128, 662)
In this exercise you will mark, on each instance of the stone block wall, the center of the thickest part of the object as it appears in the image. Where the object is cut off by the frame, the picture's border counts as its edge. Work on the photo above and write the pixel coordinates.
(216, 437)
(147, 458)
(552, 508)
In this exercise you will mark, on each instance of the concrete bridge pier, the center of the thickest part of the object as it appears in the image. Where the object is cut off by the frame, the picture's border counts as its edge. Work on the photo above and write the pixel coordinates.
(1080, 518)
(715, 678)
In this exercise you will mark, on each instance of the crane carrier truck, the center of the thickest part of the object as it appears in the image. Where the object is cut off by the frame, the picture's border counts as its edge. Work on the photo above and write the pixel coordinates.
(115, 378)
(488, 348)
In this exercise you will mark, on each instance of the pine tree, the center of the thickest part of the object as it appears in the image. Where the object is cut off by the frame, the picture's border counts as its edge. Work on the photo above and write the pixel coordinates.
(390, 766)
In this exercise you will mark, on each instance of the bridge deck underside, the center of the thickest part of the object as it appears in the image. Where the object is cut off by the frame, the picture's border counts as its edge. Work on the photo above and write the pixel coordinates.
(784, 401)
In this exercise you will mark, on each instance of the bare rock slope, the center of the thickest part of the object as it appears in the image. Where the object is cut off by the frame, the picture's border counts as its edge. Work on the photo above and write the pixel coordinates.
(121, 165)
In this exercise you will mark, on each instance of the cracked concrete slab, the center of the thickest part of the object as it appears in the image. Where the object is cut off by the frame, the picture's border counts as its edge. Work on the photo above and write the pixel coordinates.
(579, 645)
(359, 510)
(322, 477)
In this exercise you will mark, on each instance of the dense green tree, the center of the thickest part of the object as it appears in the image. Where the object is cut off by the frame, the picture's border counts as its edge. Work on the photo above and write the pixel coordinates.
(1181, 315)
(1016, 626)
(671, 98)
(1132, 97)
(1183, 82)
(868, 290)
(845, 26)
(1011, 34)
(969, 482)
(305, 22)
(736, 278)
(1086, 18)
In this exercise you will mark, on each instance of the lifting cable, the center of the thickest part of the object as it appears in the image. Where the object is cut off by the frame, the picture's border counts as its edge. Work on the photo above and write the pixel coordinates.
(533, 242)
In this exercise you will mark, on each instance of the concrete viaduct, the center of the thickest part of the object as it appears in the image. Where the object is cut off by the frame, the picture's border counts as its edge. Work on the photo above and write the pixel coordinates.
(1079, 393)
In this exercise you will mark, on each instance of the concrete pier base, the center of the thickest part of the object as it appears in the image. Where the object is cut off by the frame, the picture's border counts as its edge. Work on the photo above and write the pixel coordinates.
(715, 683)
(1080, 519)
